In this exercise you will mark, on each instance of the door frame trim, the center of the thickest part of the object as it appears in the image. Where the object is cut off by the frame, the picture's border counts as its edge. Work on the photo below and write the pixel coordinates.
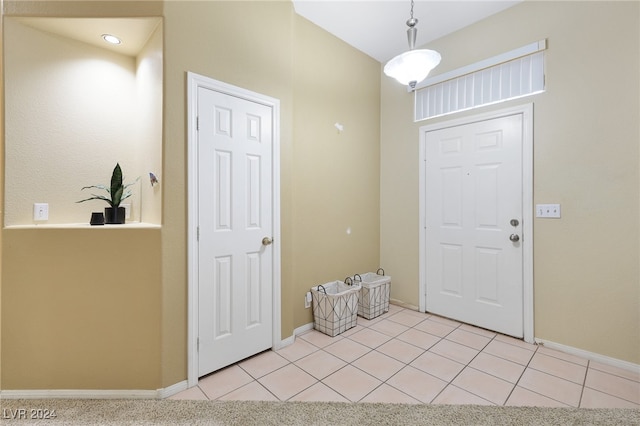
(526, 111)
(194, 82)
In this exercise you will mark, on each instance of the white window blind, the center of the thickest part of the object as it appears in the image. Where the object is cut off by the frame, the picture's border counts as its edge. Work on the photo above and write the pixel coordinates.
(516, 78)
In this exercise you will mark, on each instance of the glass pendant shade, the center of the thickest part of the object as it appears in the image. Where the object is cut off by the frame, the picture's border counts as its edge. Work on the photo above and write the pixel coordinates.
(413, 66)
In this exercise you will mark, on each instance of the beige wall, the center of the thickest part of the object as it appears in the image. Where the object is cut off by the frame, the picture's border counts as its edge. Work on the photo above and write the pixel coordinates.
(255, 45)
(81, 309)
(586, 157)
(336, 174)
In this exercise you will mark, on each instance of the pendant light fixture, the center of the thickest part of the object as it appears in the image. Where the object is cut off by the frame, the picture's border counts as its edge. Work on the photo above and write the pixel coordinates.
(413, 66)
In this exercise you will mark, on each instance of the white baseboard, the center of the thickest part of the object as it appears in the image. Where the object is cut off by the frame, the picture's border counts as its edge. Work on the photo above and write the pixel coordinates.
(94, 393)
(404, 305)
(78, 394)
(291, 339)
(285, 342)
(613, 362)
(298, 331)
(173, 389)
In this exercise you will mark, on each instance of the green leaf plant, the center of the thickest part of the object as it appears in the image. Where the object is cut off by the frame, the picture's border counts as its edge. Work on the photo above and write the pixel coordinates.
(117, 192)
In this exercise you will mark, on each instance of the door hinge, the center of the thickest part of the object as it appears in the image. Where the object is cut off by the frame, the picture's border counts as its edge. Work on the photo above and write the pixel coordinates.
(198, 233)
(197, 122)
(198, 344)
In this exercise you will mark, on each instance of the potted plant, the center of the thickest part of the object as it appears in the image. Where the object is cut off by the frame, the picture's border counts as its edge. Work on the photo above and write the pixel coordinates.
(117, 193)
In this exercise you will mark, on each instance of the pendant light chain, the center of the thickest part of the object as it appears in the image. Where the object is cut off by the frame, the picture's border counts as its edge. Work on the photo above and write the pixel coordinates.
(412, 22)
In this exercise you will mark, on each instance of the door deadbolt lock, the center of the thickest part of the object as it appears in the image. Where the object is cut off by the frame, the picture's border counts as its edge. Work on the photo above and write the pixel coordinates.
(266, 241)
(514, 237)
(514, 222)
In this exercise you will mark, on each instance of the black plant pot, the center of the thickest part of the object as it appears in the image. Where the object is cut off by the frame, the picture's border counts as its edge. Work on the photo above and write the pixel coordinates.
(114, 216)
(97, 218)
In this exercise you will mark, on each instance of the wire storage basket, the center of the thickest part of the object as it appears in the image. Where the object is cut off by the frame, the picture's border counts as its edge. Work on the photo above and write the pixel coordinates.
(335, 307)
(374, 295)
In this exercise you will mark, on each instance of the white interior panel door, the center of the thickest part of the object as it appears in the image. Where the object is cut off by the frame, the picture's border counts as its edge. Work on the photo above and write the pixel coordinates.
(235, 229)
(474, 259)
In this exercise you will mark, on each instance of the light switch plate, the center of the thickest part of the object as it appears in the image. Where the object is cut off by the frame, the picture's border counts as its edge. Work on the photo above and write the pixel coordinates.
(548, 211)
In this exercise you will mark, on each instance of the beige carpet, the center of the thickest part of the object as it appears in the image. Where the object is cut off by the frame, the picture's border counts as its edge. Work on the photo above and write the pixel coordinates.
(173, 412)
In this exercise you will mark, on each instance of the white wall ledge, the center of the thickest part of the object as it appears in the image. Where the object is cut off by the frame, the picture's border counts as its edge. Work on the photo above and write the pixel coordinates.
(130, 225)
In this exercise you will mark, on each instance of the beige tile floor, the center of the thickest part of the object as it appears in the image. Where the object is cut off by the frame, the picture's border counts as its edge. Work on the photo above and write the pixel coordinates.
(406, 356)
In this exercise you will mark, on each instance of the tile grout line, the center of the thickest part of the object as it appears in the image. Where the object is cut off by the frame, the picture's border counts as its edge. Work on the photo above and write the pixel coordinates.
(256, 379)
(548, 374)
(441, 338)
(584, 383)
(620, 376)
(625, 398)
(515, 385)
(449, 383)
(468, 365)
(350, 363)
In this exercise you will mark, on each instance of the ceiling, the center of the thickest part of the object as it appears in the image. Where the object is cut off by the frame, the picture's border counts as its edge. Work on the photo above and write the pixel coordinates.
(375, 27)
(134, 32)
(378, 27)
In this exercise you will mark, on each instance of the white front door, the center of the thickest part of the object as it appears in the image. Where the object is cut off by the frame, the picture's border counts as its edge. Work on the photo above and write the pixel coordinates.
(473, 223)
(235, 288)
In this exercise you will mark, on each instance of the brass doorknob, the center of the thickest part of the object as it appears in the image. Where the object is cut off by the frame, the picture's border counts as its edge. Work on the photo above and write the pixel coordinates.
(266, 241)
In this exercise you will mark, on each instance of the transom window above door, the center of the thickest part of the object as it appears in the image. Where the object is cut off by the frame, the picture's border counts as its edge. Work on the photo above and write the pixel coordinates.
(508, 76)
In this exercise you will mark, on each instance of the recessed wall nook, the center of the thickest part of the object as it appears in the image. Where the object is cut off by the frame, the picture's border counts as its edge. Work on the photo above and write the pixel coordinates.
(76, 105)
